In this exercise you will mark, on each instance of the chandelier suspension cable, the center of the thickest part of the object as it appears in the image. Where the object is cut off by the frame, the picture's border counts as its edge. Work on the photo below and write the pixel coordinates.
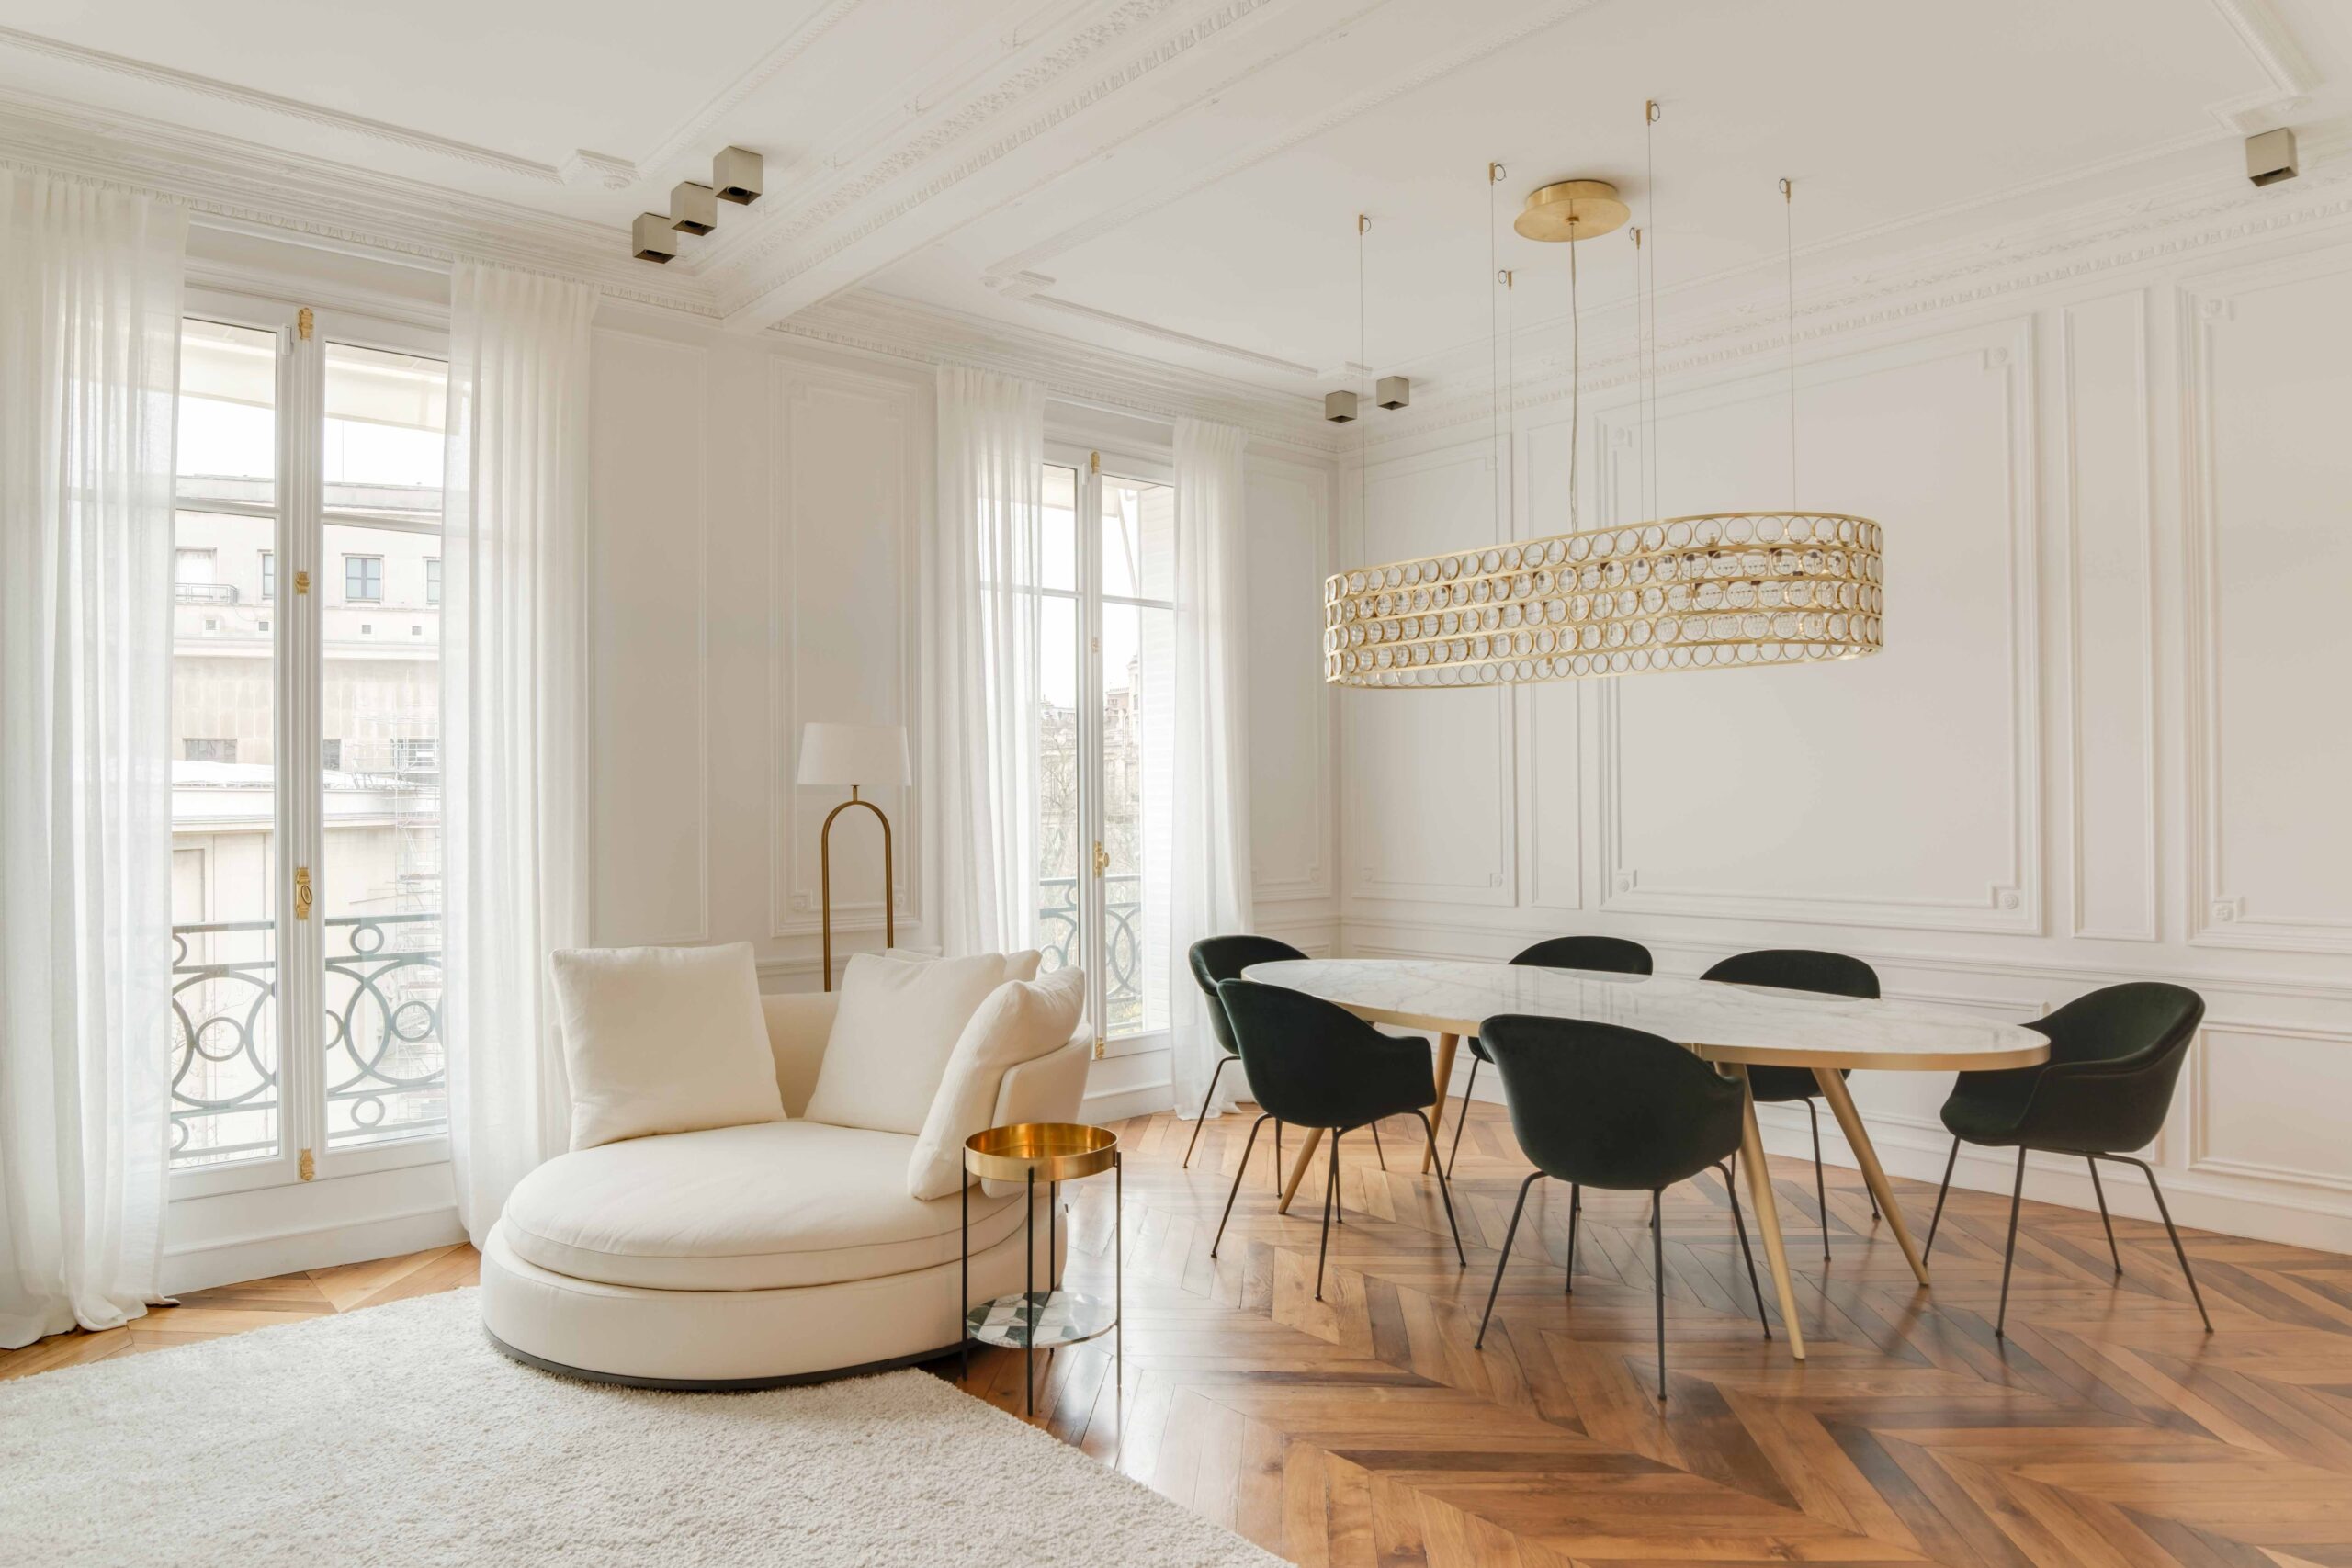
(1363, 360)
(1789, 249)
(1646, 285)
(1576, 387)
(1495, 173)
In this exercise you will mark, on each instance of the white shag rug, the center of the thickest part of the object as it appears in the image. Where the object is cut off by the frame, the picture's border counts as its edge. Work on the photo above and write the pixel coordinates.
(398, 1436)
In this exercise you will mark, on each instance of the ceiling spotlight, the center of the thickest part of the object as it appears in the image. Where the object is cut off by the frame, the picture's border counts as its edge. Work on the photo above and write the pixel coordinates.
(1339, 408)
(652, 239)
(693, 208)
(1394, 392)
(2270, 157)
(735, 175)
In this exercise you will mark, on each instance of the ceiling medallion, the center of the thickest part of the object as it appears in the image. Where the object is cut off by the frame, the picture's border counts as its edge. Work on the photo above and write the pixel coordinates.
(1714, 591)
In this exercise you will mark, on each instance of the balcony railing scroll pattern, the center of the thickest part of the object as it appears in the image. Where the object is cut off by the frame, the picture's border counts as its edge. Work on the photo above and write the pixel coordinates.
(1057, 917)
(386, 1074)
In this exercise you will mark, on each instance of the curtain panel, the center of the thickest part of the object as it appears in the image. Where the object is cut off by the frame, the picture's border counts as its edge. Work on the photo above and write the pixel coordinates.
(515, 657)
(986, 656)
(1209, 863)
(90, 299)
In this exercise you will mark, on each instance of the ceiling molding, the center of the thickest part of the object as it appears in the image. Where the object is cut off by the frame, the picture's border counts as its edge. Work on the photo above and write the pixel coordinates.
(2281, 57)
(312, 115)
(787, 52)
(1550, 14)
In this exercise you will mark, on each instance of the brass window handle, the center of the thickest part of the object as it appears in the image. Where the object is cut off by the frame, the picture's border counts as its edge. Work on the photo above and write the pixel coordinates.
(302, 893)
(1101, 859)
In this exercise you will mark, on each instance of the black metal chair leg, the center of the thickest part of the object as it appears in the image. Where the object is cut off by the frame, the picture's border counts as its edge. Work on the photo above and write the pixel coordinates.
(1443, 1192)
(1461, 1121)
(1657, 1283)
(1820, 1186)
(1330, 1200)
(1278, 1153)
(1237, 1181)
(1731, 1190)
(1576, 1208)
(2100, 1193)
(2173, 1231)
(1500, 1263)
(2009, 1256)
(1949, 1160)
(1340, 1214)
(1204, 1113)
(1377, 1150)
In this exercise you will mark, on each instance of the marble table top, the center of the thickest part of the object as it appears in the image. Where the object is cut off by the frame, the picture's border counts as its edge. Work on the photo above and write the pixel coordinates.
(1757, 1025)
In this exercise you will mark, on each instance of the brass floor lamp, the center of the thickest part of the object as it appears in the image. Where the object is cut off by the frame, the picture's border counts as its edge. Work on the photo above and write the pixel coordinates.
(855, 755)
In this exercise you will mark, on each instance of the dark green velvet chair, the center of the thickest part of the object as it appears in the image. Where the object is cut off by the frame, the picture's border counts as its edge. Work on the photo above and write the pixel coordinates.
(1314, 1064)
(1799, 969)
(1219, 958)
(2115, 1055)
(1597, 1105)
(1607, 954)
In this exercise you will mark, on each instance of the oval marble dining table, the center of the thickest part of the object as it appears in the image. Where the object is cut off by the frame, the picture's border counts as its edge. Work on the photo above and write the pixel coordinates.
(1735, 1027)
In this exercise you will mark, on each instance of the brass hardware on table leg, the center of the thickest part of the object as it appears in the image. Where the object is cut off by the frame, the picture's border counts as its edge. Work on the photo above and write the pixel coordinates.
(825, 878)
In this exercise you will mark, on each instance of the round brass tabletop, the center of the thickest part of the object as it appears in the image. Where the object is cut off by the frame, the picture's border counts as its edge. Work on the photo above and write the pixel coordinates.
(1054, 1151)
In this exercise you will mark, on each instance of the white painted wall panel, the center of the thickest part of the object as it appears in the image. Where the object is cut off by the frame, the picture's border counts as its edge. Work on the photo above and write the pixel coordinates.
(652, 685)
(1290, 712)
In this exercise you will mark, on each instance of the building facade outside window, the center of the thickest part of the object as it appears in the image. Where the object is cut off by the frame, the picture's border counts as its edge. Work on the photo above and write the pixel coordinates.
(363, 578)
(268, 575)
(433, 579)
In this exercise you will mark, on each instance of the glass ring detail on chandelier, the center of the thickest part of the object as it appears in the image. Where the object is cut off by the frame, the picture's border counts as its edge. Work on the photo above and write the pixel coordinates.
(1698, 592)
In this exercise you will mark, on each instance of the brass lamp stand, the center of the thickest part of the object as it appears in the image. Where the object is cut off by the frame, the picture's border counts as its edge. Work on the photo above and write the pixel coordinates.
(825, 878)
(855, 754)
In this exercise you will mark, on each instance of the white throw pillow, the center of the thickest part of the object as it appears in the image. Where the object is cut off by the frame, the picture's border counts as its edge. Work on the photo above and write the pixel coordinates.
(664, 1040)
(1019, 1022)
(896, 1023)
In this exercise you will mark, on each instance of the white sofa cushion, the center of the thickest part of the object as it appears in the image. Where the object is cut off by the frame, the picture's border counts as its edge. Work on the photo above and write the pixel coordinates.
(663, 1040)
(897, 1022)
(1019, 1022)
(753, 1208)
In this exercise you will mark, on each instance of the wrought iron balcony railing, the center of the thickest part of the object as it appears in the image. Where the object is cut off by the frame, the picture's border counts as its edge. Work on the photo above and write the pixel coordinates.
(381, 1035)
(1058, 915)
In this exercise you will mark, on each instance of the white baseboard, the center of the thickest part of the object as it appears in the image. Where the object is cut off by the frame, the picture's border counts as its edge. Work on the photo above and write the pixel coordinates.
(232, 1260)
(1135, 1100)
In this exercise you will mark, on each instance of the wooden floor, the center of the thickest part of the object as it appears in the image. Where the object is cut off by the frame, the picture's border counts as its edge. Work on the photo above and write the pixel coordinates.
(1364, 1429)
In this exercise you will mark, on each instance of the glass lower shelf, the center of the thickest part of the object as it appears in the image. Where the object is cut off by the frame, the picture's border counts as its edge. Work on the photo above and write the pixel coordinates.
(1041, 1318)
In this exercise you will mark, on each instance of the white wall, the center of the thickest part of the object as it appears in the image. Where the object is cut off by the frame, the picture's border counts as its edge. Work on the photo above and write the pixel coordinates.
(2107, 737)
(762, 514)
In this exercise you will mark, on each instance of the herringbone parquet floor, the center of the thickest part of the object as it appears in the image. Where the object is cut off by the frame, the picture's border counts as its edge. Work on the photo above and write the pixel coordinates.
(2107, 1430)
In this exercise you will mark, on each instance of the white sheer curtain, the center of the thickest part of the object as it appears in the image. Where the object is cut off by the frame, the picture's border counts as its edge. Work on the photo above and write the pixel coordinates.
(90, 285)
(514, 666)
(992, 477)
(1209, 895)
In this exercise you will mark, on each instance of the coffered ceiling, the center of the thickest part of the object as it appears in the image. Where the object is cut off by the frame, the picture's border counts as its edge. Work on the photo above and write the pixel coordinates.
(1179, 179)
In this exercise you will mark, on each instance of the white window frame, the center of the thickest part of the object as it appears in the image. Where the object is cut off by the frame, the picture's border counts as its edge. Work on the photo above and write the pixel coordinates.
(1094, 466)
(299, 514)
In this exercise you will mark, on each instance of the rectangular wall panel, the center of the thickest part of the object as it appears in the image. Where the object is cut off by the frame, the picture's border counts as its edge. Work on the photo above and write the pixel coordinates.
(842, 563)
(1804, 793)
(1428, 771)
(1290, 729)
(652, 805)
(2110, 630)
(2271, 555)
(2247, 1077)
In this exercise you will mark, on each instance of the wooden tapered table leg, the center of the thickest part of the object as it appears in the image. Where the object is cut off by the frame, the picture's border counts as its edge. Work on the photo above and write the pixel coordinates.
(1767, 1217)
(1298, 1171)
(1833, 1090)
(1446, 1044)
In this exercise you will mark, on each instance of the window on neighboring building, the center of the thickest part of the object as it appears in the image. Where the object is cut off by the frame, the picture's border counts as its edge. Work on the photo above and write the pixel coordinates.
(415, 754)
(269, 574)
(363, 578)
(206, 749)
(331, 755)
(192, 568)
(433, 579)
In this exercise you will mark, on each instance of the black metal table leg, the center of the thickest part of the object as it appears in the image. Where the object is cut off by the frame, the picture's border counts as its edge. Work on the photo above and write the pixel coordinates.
(1029, 1305)
(964, 1291)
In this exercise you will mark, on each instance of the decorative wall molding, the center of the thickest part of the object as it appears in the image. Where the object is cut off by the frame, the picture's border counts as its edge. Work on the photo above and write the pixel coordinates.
(2219, 915)
(2274, 47)
(2012, 901)
(1309, 485)
(2201, 1098)
(2147, 928)
(902, 408)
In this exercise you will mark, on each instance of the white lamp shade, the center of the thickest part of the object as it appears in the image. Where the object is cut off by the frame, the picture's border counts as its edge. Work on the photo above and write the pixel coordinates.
(869, 755)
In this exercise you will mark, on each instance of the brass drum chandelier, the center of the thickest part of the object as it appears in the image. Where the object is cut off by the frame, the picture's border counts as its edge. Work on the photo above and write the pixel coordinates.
(1699, 592)
(1685, 594)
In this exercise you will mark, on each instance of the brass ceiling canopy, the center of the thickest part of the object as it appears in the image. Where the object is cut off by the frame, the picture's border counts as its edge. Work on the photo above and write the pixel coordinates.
(1571, 209)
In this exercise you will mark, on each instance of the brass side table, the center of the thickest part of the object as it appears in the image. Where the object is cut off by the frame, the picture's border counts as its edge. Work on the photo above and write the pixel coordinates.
(1058, 1151)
